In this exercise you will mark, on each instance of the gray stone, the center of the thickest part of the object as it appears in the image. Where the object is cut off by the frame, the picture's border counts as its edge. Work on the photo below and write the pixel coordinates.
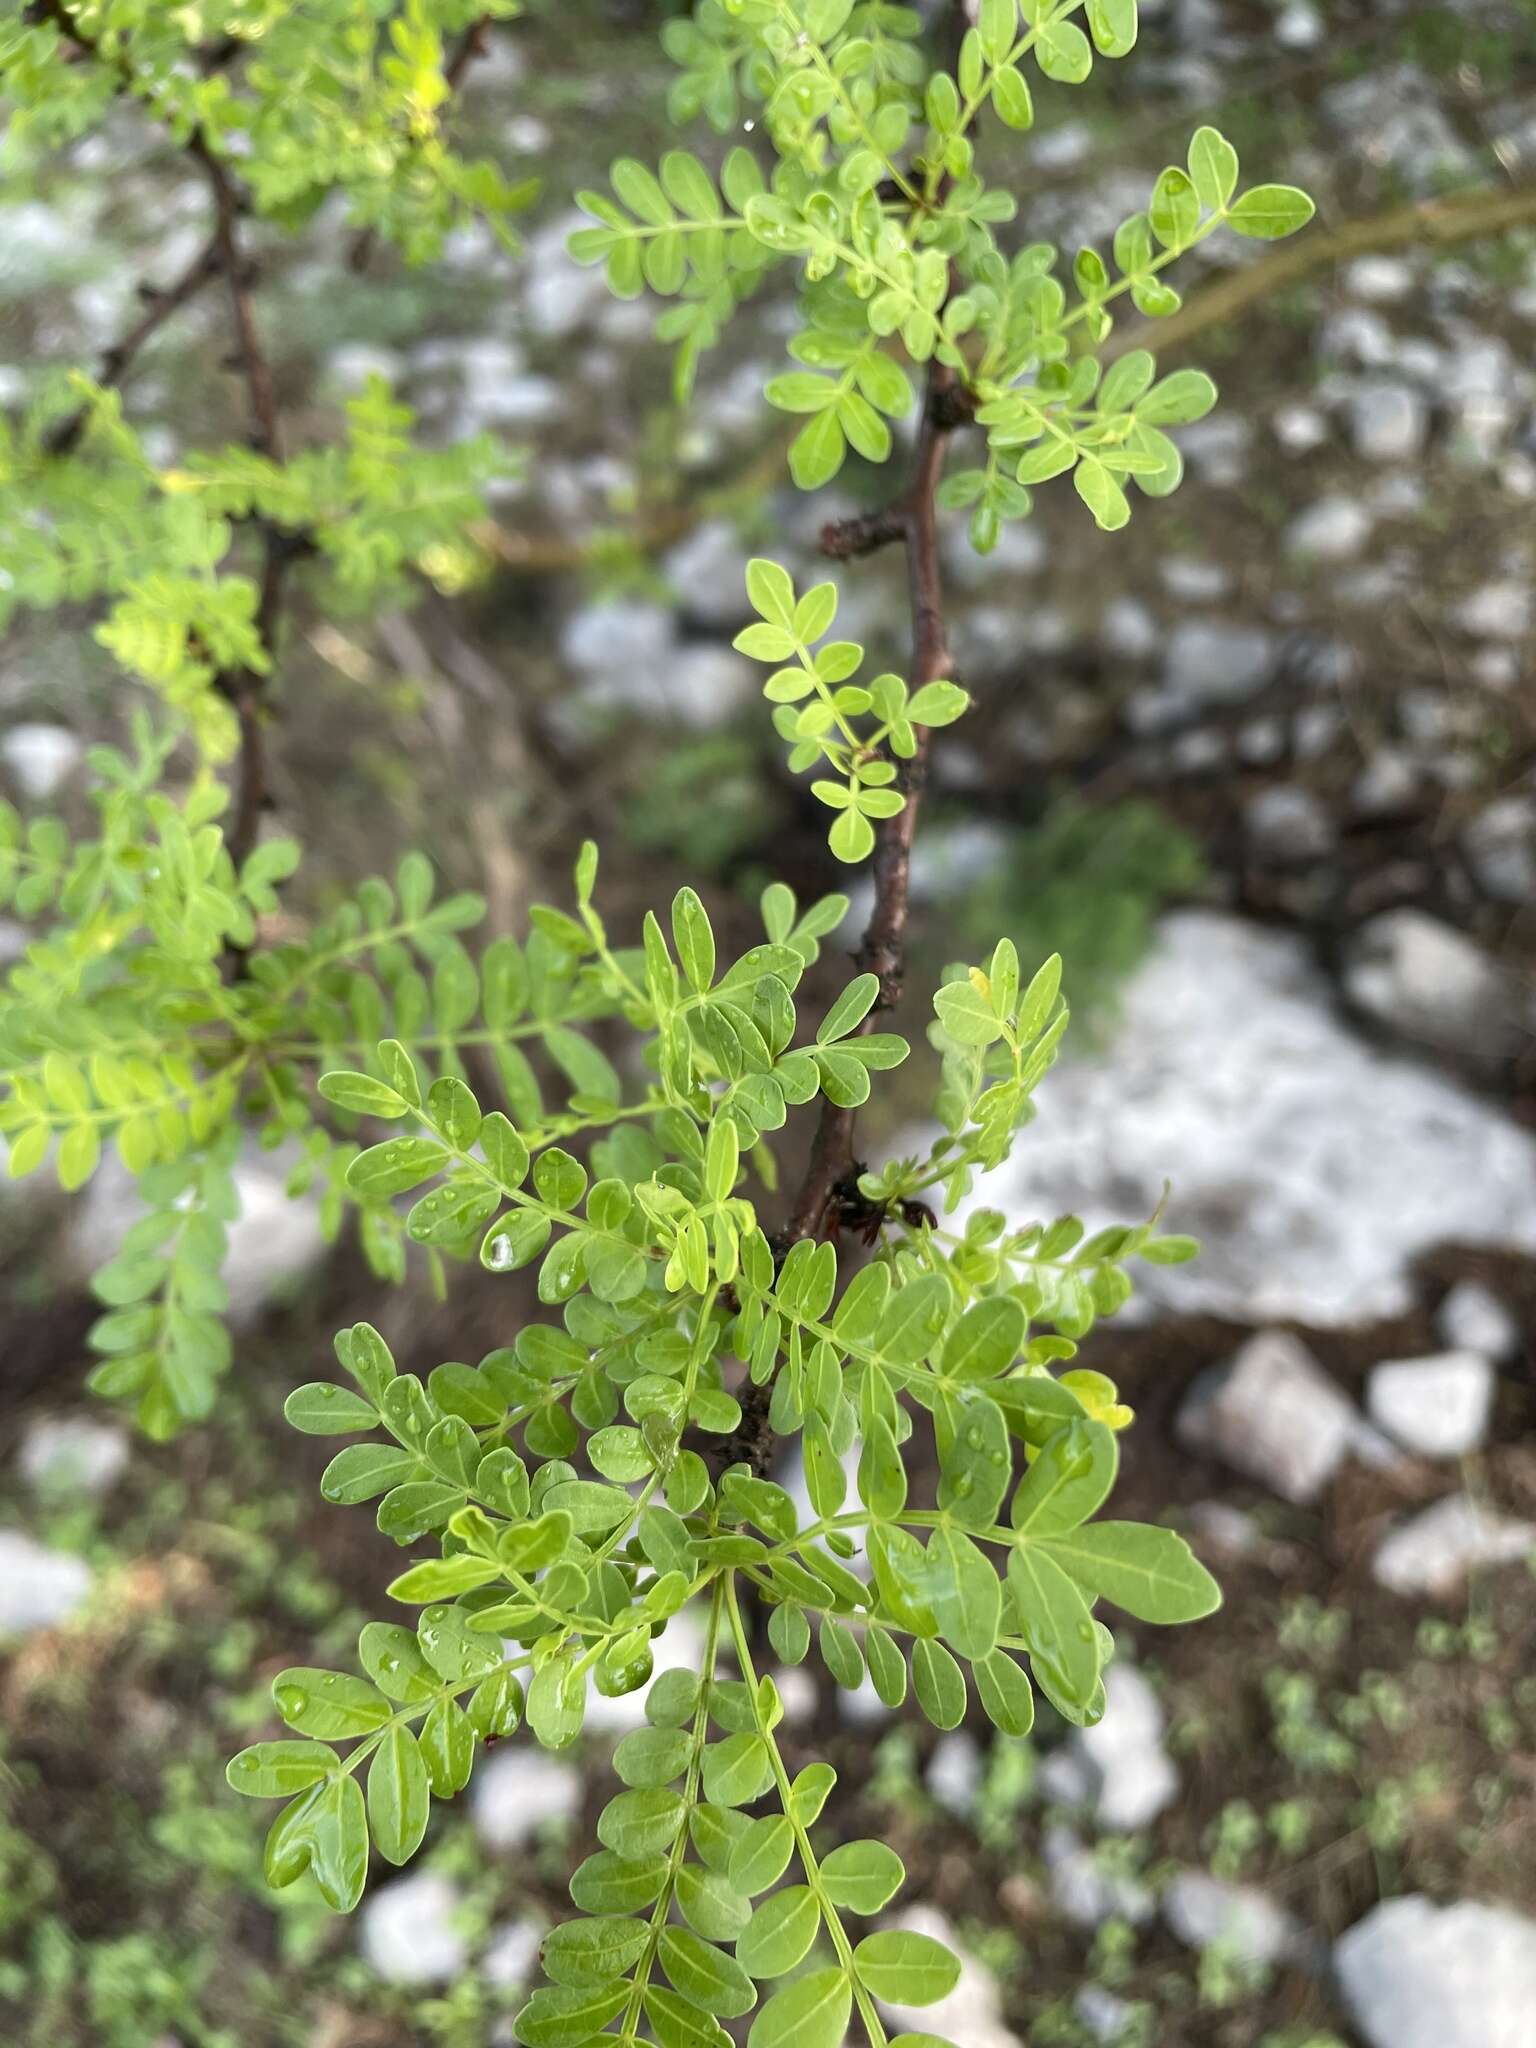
(1433, 1552)
(1129, 629)
(1084, 1890)
(1380, 280)
(39, 757)
(408, 1931)
(1387, 783)
(1335, 529)
(1472, 1318)
(1388, 421)
(1288, 823)
(1272, 1413)
(1239, 1919)
(1213, 662)
(1194, 580)
(1500, 845)
(1217, 448)
(1497, 611)
(1131, 1775)
(1103, 2012)
(1437, 1406)
(511, 1955)
(1299, 26)
(38, 1588)
(558, 296)
(708, 572)
(973, 2011)
(1353, 335)
(955, 1773)
(517, 1793)
(1299, 428)
(1231, 1074)
(72, 1455)
(1417, 1975)
(1429, 982)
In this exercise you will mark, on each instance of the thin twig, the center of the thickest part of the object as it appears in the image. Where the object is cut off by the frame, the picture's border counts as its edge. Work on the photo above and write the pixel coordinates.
(913, 521)
(161, 304)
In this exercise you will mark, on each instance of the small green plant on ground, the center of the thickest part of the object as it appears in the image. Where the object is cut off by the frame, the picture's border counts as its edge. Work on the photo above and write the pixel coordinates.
(583, 1486)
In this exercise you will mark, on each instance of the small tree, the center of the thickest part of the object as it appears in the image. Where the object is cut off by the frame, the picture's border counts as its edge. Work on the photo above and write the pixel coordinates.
(614, 1465)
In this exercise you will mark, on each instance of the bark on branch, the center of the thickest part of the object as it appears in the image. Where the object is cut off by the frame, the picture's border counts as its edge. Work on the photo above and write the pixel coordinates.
(914, 522)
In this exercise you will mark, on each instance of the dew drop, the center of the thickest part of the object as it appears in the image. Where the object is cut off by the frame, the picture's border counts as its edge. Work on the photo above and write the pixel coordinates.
(289, 1700)
(499, 1254)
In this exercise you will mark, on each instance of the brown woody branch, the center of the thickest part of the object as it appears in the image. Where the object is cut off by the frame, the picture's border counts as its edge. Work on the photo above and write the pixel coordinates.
(914, 522)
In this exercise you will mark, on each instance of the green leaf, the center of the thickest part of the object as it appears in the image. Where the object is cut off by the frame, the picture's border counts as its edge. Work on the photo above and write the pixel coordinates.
(812, 2012)
(938, 1683)
(362, 1095)
(337, 1831)
(1101, 494)
(1064, 53)
(965, 1591)
(771, 591)
(986, 1340)
(1184, 395)
(761, 1855)
(1150, 1572)
(781, 1932)
(1212, 168)
(816, 454)
(441, 1578)
(850, 1009)
(905, 1968)
(1112, 24)
(1069, 1480)
(966, 1014)
(330, 1704)
(852, 837)
(693, 938)
(399, 1799)
(1011, 97)
(1055, 1623)
(1268, 212)
(276, 1770)
(862, 1877)
(641, 1823)
(997, 24)
(324, 1409)
(588, 1953)
(1174, 211)
(704, 1975)
(393, 1167)
(1005, 1693)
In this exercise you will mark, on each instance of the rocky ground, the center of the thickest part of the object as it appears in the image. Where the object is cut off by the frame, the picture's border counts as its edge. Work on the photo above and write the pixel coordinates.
(1261, 766)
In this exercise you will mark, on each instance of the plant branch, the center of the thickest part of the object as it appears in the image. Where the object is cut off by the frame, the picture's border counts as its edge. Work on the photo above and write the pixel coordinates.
(161, 303)
(475, 42)
(914, 521)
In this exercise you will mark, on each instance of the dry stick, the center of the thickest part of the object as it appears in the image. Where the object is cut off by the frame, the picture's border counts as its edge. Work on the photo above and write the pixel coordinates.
(115, 363)
(914, 521)
(243, 686)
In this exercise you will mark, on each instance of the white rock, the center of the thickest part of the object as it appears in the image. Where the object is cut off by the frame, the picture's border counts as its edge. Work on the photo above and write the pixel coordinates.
(1389, 421)
(38, 1588)
(73, 1455)
(558, 296)
(955, 1772)
(1231, 1074)
(1288, 823)
(1500, 843)
(39, 757)
(511, 1955)
(1194, 580)
(1129, 629)
(1497, 611)
(1388, 782)
(1335, 529)
(1437, 1406)
(1084, 1890)
(708, 570)
(1380, 280)
(973, 2011)
(1429, 982)
(1300, 428)
(1273, 1413)
(407, 1931)
(1472, 1318)
(1216, 663)
(1432, 1553)
(1239, 1919)
(1217, 448)
(516, 1793)
(1132, 1775)
(1299, 26)
(1418, 1975)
